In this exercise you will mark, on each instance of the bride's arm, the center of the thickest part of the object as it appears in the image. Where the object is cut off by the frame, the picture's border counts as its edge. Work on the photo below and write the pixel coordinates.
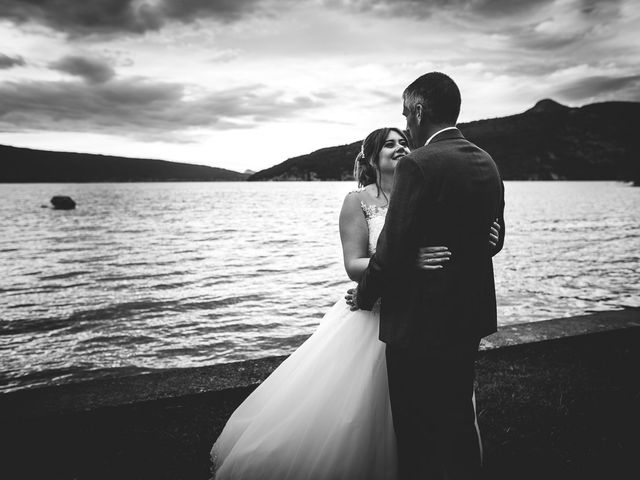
(354, 235)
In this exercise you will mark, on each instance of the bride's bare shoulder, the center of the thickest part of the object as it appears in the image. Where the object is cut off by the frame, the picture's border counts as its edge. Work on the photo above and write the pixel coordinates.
(370, 196)
(353, 198)
(352, 205)
(366, 194)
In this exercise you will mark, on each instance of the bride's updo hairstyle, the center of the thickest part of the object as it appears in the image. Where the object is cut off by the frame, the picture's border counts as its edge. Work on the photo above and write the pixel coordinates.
(366, 168)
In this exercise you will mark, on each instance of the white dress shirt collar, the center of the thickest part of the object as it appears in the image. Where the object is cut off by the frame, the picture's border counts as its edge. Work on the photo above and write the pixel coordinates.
(439, 131)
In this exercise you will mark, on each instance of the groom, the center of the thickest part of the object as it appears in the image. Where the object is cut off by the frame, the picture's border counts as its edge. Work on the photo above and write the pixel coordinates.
(447, 191)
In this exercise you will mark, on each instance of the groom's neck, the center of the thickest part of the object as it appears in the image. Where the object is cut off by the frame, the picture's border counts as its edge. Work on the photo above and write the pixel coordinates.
(431, 130)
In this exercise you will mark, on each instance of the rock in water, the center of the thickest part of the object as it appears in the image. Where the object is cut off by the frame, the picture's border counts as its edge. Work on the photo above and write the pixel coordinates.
(63, 203)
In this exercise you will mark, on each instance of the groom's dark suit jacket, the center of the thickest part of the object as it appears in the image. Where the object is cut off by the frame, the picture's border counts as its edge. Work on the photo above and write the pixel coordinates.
(446, 193)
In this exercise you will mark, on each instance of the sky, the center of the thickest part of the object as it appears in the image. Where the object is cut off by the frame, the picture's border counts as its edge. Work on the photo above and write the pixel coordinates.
(246, 84)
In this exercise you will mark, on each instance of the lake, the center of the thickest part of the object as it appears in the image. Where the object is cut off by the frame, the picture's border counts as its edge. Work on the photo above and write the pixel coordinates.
(144, 276)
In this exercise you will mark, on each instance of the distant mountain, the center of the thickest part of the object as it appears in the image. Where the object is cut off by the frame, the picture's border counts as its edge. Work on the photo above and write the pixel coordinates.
(332, 163)
(23, 165)
(547, 142)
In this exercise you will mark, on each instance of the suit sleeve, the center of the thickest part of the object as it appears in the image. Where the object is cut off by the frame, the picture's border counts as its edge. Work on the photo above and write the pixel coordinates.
(398, 242)
(500, 243)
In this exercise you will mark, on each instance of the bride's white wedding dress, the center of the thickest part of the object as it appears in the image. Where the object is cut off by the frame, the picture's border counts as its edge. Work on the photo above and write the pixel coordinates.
(324, 413)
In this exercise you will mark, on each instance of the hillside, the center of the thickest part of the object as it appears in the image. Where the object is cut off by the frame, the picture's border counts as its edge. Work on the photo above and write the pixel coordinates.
(549, 141)
(22, 165)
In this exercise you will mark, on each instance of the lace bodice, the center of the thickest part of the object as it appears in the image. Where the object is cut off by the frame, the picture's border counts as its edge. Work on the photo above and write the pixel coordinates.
(375, 216)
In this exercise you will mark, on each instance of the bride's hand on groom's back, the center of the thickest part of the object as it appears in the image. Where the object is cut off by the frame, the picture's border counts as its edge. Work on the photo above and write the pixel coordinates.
(352, 299)
(494, 234)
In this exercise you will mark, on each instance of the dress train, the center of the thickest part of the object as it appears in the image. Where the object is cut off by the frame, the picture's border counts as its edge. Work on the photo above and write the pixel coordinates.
(323, 414)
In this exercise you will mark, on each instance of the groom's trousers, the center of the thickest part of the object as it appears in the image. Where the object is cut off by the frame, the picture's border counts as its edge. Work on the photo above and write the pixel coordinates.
(433, 412)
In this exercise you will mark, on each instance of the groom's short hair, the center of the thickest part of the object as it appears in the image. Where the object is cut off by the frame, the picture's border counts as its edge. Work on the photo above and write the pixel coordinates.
(439, 96)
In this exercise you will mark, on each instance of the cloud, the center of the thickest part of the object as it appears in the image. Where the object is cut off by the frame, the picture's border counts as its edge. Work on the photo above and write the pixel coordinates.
(9, 62)
(223, 10)
(504, 8)
(599, 7)
(85, 17)
(570, 23)
(82, 18)
(424, 9)
(402, 8)
(142, 109)
(79, 18)
(384, 97)
(531, 68)
(91, 70)
(225, 56)
(526, 25)
(602, 87)
(529, 39)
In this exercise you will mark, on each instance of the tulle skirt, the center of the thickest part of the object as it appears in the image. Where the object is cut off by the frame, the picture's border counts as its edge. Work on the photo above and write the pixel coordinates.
(324, 413)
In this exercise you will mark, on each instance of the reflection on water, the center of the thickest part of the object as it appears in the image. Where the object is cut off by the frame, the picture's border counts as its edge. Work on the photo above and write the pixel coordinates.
(157, 275)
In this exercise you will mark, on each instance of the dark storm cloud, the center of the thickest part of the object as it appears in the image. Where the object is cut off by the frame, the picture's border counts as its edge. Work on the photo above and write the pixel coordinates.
(88, 17)
(138, 16)
(83, 17)
(602, 86)
(140, 108)
(9, 62)
(93, 70)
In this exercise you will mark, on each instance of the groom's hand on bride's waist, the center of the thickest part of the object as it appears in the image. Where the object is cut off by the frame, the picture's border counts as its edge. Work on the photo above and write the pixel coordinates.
(432, 258)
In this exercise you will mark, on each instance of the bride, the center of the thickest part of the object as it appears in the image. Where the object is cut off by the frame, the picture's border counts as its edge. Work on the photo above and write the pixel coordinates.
(324, 413)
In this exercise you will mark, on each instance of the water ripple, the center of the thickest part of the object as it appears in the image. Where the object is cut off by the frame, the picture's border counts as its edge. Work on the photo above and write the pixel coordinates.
(237, 271)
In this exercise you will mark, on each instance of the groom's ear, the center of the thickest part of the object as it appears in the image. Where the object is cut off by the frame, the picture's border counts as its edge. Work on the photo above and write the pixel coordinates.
(419, 112)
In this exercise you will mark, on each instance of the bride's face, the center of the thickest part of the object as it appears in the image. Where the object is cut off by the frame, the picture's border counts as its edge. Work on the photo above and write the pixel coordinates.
(395, 147)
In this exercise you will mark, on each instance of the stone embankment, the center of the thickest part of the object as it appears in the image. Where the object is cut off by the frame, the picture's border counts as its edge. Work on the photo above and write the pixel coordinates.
(556, 399)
